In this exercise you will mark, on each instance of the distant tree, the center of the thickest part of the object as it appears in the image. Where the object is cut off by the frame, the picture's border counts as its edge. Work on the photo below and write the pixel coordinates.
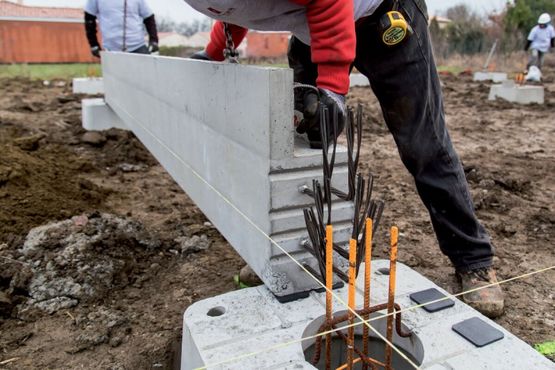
(166, 25)
(466, 32)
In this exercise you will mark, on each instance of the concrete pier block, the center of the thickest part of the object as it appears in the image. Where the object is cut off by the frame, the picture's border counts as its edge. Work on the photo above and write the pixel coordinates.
(88, 85)
(96, 115)
(247, 321)
(490, 76)
(225, 133)
(514, 93)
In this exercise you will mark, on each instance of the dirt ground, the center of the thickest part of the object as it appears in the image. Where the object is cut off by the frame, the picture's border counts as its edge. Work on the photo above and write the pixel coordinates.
(124, 251)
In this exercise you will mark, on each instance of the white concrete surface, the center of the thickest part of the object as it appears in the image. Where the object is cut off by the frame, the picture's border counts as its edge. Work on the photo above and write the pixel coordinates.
(96, 115)
(490, 76)
(359, 80)
(252, 320)
(514, 93)
(225, 134)
(88, 85)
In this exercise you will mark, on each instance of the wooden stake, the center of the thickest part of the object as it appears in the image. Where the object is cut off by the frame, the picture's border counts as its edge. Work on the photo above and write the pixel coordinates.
(367, 275)
(329, 286)
(351, 301)
(391, 295)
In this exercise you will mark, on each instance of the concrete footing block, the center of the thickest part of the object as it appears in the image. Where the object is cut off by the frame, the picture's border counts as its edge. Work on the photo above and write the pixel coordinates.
(88, 85)
(490, 76)
(97, 116)
(514, 93)
(226, 135)
(248, 321)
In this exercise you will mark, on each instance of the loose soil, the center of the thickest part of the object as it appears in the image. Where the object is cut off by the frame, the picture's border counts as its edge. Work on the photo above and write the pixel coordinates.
(119, 264)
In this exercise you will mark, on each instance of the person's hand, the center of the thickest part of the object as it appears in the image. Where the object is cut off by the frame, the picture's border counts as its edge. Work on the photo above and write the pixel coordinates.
(95, 51)
(153, 47)
(310, 103)
(200, 55)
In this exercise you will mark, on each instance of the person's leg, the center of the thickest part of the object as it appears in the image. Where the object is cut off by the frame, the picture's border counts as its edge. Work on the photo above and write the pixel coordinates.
(541, 56)
(406, 83)
(142, 50)
(531, 59)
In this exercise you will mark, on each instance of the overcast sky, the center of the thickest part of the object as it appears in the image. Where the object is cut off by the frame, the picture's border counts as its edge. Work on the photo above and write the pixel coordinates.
(179, 11)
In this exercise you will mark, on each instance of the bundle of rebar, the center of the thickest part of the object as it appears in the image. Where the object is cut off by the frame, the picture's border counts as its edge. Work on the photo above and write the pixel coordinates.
(366, 217)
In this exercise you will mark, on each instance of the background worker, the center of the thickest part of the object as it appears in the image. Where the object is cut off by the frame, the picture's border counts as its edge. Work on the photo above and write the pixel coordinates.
(122, 24)
(540, 40)
(329, 37)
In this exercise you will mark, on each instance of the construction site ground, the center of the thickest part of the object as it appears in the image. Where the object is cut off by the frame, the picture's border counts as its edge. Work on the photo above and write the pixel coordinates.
(137, 252)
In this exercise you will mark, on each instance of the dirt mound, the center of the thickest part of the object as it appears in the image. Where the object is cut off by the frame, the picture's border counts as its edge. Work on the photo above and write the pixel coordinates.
(77, 260)
(40, 186)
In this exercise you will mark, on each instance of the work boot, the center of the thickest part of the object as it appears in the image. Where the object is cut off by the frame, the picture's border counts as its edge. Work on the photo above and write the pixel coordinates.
(488, 301)
(248, 277)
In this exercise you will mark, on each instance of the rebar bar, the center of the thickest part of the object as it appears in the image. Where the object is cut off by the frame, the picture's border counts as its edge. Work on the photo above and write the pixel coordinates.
(351, 301)
(391, 294)
(367, 275)
(326, 326)
(329, 286)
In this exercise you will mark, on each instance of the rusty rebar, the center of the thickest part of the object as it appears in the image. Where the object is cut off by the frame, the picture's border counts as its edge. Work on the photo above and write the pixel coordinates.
(326, 326)
(351, 301)
(329, 286)
(391, 295)
(367, 280)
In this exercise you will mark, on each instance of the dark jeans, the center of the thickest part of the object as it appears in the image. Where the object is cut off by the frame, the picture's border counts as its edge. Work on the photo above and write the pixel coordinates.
(142, 50)
(406, 83)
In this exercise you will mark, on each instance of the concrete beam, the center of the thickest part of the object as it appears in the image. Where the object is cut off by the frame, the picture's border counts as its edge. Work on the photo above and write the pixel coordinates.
(88, 85)
(225, 134)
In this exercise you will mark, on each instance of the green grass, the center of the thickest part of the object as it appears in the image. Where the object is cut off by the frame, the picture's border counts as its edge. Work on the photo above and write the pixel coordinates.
(50, 71)
(451, 69)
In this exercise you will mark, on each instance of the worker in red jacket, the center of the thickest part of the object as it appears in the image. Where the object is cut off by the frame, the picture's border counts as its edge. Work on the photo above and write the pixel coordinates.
(331, 36)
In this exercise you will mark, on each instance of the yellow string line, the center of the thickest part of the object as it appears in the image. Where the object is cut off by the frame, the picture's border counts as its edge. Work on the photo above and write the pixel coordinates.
(448, 296)
(257, 228)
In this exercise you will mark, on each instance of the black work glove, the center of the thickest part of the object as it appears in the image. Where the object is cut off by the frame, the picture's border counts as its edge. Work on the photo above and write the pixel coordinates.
(153, 47)
(95, 51)
(309, 103)
(200, 55)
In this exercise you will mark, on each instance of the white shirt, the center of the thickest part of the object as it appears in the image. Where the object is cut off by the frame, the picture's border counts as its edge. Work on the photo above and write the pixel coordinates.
(541, 38)
(110, 14)
(270, 15)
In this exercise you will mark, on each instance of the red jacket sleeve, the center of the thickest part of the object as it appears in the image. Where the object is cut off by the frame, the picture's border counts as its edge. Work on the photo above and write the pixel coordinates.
(216, 46)
(333, 41)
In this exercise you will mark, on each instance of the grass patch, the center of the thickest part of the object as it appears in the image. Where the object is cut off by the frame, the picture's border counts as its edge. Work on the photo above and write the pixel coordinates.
(50, 71)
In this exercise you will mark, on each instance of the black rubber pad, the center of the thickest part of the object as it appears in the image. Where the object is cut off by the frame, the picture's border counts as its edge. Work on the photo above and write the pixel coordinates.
(478, 332)
(430, 295)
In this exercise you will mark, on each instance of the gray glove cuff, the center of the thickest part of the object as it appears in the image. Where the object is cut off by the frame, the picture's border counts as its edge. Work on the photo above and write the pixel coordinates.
(338, 99)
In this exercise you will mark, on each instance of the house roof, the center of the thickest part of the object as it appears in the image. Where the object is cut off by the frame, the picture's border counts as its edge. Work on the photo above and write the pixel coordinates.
(10, 10)
(440, 19)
